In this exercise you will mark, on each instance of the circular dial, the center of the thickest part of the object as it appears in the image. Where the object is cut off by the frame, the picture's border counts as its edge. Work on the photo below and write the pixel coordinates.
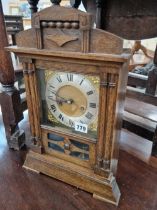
(72, 98)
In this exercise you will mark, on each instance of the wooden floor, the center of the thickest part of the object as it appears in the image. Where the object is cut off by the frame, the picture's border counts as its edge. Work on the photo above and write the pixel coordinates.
(24, 190)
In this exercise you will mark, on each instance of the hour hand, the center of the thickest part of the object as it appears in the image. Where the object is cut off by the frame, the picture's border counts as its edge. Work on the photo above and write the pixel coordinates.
(68, 101)
(59, 101)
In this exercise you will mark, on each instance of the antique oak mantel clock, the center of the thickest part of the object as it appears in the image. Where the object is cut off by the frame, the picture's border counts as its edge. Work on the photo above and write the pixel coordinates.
(75, 78)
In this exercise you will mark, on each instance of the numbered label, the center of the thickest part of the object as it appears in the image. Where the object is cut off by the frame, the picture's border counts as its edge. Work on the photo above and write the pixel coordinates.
(83, 128)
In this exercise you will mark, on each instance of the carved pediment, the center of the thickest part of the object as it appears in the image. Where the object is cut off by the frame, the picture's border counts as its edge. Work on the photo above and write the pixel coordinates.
(61, 38)
(67, 29)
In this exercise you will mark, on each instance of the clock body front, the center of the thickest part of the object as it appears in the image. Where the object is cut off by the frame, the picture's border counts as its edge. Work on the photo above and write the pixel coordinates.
(69, 105)
(75, 78)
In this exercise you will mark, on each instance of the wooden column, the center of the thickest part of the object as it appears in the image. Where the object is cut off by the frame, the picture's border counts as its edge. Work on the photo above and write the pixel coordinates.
(9, 96)
(32, 102)
(33, 5)
(98, 13)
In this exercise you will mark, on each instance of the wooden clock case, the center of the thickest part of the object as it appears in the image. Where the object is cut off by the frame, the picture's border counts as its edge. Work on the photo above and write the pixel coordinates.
(64, 39)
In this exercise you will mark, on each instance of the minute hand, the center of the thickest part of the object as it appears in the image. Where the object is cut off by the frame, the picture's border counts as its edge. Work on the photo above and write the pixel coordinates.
(68, 101)
(58, 96)
(59, 100)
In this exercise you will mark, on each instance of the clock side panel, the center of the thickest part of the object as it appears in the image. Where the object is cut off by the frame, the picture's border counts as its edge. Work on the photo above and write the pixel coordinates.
(119, 109)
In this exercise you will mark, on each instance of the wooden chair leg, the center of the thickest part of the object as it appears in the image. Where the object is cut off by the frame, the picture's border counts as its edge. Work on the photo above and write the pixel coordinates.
(151, 86)
(9, 97)
(154, 148)
(12, 114)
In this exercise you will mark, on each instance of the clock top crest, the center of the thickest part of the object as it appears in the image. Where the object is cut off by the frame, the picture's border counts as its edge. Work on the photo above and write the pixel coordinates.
(67, 29)
(75, 78)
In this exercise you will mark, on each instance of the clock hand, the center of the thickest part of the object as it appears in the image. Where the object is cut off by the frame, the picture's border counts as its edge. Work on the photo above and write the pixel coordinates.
(68, 101)
(58, 101)
(58, 96)
(61, 97)
(63, 100)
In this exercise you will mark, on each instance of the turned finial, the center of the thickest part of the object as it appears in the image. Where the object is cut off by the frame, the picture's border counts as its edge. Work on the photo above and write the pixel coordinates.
(33, 5)
(75, 3)
(56, 2)
(99, 3)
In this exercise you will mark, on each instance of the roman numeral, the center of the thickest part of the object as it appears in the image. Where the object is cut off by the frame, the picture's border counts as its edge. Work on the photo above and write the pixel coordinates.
(82, 81)
(61, 117)
(53, 92)
(53, 107)
(90, 92)
(71, 123)
(89, 115)
(92, 105)
(70, 77)
(51, 86)
(50, 97)
(59, 79)
(81, 122)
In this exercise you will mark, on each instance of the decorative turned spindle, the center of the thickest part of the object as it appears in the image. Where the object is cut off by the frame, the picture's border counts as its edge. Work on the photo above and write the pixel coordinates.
(33, 5)
(98, 13)
(56, 2)
(75, 3)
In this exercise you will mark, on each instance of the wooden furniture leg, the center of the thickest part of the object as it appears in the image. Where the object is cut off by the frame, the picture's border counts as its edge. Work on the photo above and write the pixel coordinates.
(138, 46)
(152, 77)
(9, 97)
(154, 148)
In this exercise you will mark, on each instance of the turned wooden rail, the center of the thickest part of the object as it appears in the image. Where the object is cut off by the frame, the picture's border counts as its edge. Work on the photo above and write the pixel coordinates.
(143, 89)
(14, 24)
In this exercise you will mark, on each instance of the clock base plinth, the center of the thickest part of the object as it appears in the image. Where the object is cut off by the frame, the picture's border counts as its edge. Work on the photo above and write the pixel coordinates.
(105, 189)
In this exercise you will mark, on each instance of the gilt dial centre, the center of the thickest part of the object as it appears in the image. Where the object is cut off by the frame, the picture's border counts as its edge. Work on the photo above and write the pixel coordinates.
(74, 101)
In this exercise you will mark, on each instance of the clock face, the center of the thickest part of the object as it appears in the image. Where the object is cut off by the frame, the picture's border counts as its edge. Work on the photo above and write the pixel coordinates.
(72, 98)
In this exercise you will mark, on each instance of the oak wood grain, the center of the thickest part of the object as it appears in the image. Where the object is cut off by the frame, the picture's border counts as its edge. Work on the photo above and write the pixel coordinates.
(66, 41)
